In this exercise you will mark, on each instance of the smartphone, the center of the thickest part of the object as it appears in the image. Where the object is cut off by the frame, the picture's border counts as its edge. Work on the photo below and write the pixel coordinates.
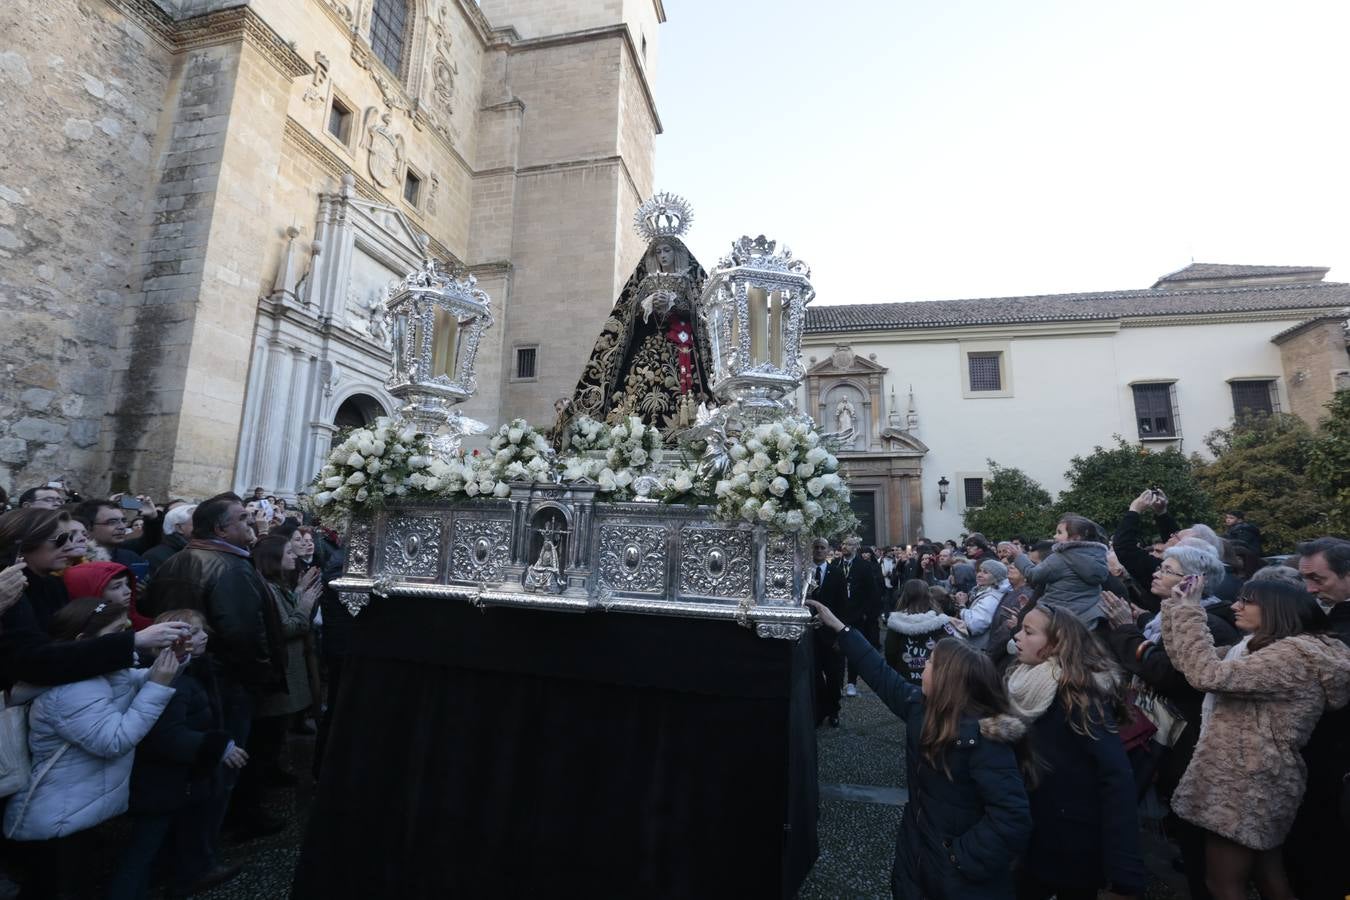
(1186, 583)
(129, 502)
(56, 485)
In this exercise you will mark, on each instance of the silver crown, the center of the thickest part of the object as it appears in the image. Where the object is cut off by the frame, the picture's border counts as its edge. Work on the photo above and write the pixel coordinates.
(664, 215)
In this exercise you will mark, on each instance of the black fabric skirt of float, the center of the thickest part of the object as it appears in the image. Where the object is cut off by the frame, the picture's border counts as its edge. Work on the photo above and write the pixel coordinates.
(513, 753)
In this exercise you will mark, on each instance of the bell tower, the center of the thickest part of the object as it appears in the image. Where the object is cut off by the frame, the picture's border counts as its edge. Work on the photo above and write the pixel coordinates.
(577, 82)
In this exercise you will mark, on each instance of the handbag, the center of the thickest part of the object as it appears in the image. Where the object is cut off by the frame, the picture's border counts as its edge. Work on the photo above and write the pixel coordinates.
(16, 765)
(37, 779)
(1161, 712)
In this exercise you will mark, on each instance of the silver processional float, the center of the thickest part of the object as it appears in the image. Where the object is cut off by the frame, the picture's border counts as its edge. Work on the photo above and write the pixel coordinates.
(677, 481)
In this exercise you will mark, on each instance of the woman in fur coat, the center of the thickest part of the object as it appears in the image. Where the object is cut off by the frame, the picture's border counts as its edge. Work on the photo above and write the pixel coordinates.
(1266, 693)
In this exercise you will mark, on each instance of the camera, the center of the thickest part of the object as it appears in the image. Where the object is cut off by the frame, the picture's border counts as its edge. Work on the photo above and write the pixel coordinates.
(129, 502)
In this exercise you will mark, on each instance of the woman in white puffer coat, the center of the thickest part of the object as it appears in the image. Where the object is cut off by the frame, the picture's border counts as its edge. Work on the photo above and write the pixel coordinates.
(83, 736)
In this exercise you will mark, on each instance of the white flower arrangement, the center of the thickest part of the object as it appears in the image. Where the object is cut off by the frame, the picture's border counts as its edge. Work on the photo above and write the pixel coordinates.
(370, 464)
(633, 449)
(517, 452)
(780, 476)
(585, 434)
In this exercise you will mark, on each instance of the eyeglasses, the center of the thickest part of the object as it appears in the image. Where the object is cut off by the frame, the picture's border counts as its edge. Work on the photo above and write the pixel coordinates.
(116, 523)
(1163, 570)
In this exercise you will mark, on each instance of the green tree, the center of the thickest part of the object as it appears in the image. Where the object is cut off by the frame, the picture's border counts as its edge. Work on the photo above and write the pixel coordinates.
(1102, 484)
(1329, 462)
(1261, 466)
(1014, 504)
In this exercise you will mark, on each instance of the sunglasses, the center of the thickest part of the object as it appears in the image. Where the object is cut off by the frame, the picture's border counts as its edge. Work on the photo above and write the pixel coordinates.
(60, 540)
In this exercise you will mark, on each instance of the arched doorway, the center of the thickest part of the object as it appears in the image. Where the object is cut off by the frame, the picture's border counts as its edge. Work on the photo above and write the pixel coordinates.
(357, 411)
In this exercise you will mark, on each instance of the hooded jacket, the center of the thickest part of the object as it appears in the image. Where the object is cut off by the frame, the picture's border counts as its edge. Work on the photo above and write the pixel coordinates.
(960, 833)
(90, 579)
(103, 719)
(1071, 577)
(910, 639)
(1247, 776)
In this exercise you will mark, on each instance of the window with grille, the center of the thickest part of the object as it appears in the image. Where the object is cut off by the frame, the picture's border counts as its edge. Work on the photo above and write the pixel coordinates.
(1257, 397)
(525, 360)
(388, 28)
(340, 121)
(985, 371)
(1154, 410)
(412, 188)
(974, 491)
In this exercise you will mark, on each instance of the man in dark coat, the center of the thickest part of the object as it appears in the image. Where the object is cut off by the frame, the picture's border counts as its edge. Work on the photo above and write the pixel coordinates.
(215, 575)
(177, 533)
(823, 577)
(1239, 529)
(854, 595)
(1315, 849)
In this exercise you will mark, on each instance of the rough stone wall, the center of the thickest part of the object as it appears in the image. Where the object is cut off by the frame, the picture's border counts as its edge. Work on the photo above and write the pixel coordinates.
(539, 18)
(80, 96)
(1311, 360)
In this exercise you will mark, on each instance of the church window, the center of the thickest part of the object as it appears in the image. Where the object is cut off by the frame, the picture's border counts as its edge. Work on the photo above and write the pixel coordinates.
(388, 31)
(1155, 410)
(340, 121)
(974, 492)
(1254, 397)
(525, 362)
(985, 371)
(412, 188)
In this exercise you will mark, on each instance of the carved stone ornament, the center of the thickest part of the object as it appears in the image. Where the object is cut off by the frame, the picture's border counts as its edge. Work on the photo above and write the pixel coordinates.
(385, 149)
(432, 193)
(318, 90)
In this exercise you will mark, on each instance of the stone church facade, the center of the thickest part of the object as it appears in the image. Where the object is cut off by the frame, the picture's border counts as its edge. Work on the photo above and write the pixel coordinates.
(201, 202)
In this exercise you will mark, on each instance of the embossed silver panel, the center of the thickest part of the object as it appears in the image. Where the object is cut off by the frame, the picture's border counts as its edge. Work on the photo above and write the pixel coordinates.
(633, 558)
(358, 549)
(479, 550)
(716, 562)
(412, 546)
(779, 558)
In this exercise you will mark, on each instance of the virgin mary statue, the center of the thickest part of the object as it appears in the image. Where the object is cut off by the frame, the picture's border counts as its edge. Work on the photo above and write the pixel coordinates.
(651, 358)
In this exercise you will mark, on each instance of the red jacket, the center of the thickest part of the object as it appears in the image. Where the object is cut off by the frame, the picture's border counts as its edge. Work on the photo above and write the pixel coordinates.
(90, 579)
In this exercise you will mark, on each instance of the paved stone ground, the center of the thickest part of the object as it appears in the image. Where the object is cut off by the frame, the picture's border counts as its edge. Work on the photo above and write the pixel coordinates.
(862, 793)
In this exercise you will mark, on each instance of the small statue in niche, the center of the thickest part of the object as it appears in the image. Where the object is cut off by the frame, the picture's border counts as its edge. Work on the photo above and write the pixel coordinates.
(546, 572)
(845, 416)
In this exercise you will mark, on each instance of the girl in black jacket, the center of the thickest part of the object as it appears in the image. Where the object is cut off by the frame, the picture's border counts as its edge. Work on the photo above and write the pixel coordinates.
(1086, 833)
(176, 783)
(967, 819)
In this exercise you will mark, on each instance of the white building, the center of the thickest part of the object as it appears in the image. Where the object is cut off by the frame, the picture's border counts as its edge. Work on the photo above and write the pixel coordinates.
(936, 389)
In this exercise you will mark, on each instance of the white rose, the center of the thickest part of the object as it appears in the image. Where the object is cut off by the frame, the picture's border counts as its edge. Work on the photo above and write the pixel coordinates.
(386, 478)
(379, 447)
(515, 434)
(723, 488)
(786, 442)
(373, 467)
(815, 486)
(418, 462)
(334, 482)
(805, 470)
(741, 468)
(749, 508)
(831, 480)
(361, 495)
(767, 511)
(816, 456)
(417, 480)
(606, 480)
(657, 455)
(763, 432)
(639, 457)
(778, 487)
(785, 467)
(515, 470)
(328, 471)
(503, 456)
(738, 451)
(759, 461)
(683, 483)
(356, 461)
(471, 488)
(323, 498)
(501, 490)
(757, 488)
(356, 478)
(623, 478)
(740, 480)
(754, 445)
(795, 519)
(812, 509)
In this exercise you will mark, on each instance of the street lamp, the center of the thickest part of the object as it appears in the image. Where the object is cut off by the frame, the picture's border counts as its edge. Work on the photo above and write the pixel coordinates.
(943, 484)
(437, 321)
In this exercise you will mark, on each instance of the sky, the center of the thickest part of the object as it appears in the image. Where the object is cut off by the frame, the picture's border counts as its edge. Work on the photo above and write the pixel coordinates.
(934, 149)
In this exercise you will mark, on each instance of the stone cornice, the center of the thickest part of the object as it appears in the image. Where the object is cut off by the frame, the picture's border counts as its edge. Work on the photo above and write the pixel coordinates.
(214, 29)
(1269, 315)
(335, 165)
(962, 333)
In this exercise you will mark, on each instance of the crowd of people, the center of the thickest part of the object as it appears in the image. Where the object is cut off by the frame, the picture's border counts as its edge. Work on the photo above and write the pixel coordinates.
(154, 660)
(1062, 694)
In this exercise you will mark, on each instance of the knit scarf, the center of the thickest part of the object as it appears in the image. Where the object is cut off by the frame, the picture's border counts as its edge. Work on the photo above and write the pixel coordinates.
(1031, 689)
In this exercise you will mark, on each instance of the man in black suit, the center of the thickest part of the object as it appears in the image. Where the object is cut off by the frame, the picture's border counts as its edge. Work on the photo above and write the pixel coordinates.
(855, 597)
(825, 581)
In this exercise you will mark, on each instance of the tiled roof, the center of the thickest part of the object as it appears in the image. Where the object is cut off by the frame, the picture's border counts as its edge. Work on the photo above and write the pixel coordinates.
(1341, 316)
(1076, 307)
(1217, 272)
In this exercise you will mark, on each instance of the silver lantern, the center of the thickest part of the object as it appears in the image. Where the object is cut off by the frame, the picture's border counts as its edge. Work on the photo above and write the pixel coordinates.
(436, 321)
(754, 304)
